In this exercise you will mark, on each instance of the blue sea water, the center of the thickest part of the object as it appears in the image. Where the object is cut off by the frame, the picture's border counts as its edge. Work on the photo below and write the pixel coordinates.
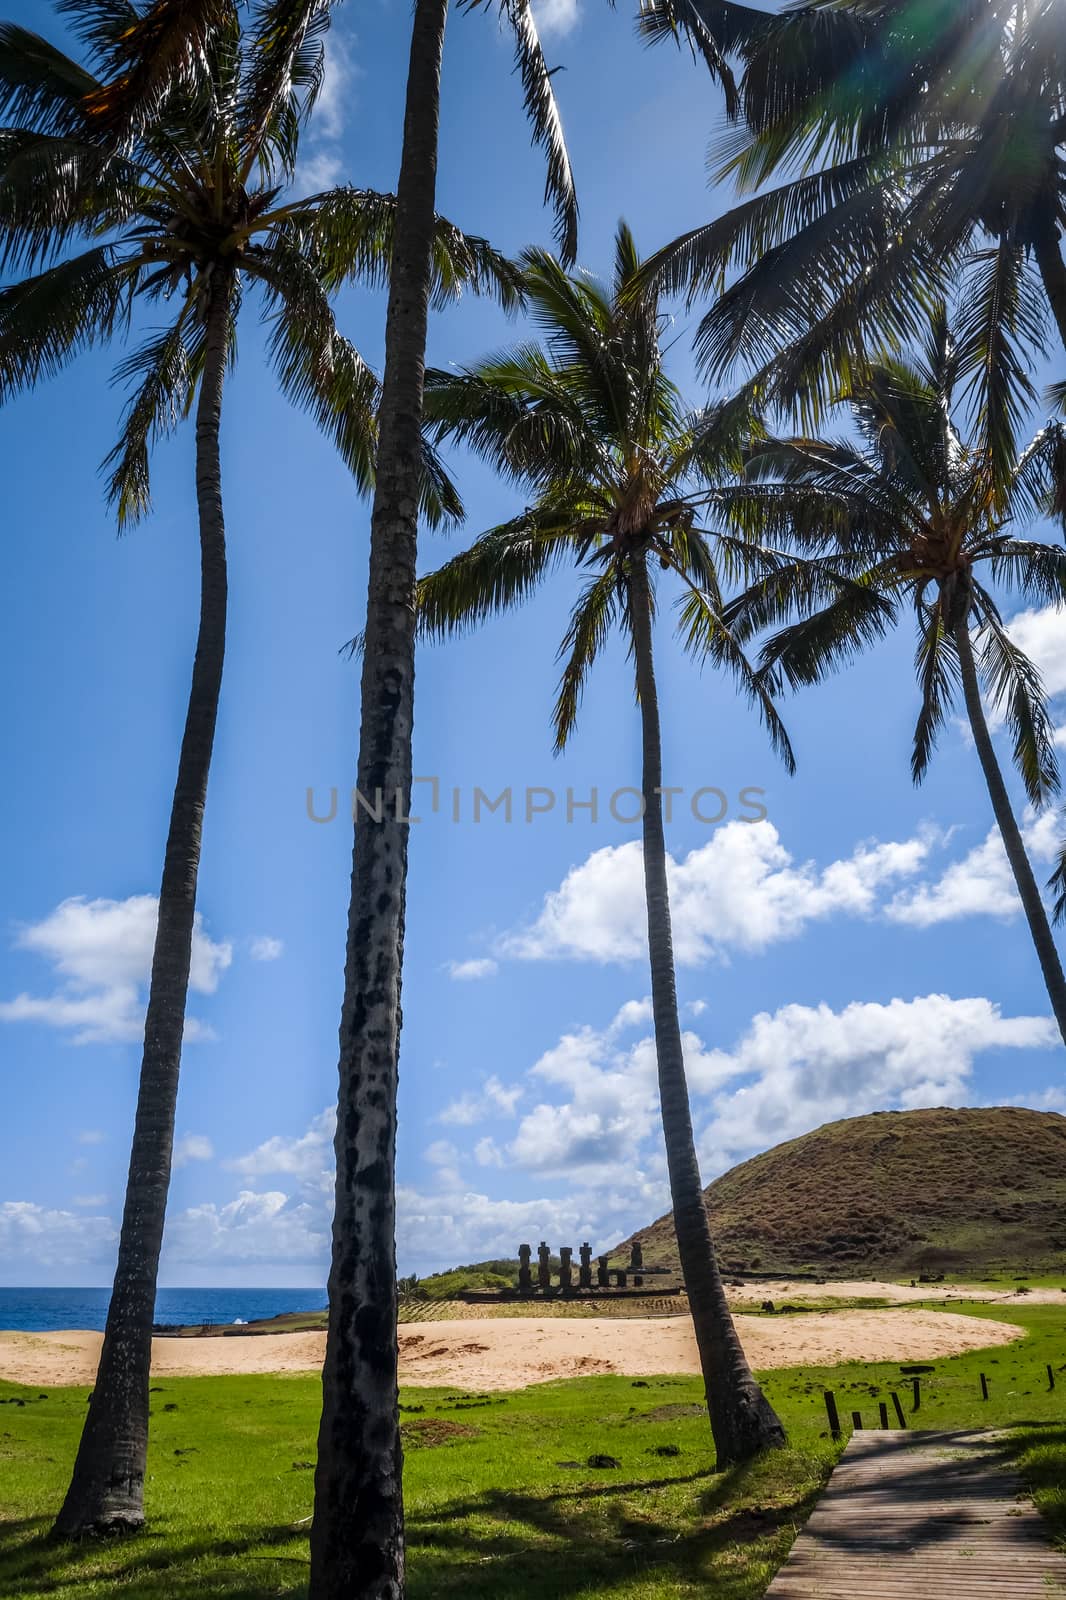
(43, 1310)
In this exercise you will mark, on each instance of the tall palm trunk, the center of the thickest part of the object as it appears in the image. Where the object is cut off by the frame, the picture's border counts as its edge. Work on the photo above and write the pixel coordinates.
(742, 1420)
(1033, 906)
(106, 1492)
(1048, 252)
(357, 1538)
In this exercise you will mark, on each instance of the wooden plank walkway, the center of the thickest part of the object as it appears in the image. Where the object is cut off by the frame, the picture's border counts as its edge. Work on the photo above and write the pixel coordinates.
(923, 1516)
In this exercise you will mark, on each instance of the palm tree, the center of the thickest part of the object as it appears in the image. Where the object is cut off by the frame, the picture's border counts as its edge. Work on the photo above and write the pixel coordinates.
(914, 518)
(357, 1537)
(188, 211)
(618, 473)
(923, 144)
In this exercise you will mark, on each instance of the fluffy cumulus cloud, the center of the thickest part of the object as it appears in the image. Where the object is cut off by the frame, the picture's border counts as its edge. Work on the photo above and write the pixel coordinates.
(981, 882)
(586, 1148)
(101, 955)
(192, 1147)
(308, 1156)
(805, 1065)
(1042, 635)
(493, 1098)
(258, 1226)
(741, 890)
(43, 1238)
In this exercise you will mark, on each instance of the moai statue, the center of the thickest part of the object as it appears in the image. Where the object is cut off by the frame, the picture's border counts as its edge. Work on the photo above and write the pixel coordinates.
(603, 1277)
(584, 1272)
(525, 1277)
(636, 1256)
(621, 1277)
(566, 1271)
(638, 1281)
(544, 1266)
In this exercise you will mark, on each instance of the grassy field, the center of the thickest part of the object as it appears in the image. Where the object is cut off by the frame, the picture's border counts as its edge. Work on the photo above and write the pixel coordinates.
(502, 1502)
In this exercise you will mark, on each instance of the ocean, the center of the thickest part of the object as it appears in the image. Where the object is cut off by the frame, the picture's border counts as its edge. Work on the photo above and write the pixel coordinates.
(44, 1310)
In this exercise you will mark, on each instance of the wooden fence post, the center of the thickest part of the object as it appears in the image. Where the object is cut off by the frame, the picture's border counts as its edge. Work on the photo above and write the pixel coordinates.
(917, 1383)
(899, 1410)
(883, 1409)
(1050, 1376)
(832, 1413)
(984, 1387)
(856, 1419)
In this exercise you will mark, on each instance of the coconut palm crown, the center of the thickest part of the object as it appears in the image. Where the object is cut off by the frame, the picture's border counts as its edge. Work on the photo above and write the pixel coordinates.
(619, 476)
(913, 518)
(616, 466)
(923, 147)
(200, 192)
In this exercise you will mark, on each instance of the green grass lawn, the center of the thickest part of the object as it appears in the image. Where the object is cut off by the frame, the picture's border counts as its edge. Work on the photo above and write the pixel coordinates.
(501, 1502)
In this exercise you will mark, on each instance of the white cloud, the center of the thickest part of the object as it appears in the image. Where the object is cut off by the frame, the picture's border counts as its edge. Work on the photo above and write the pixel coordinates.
(740, 890)
(41, 1237)
(309, 1156)
(809, 1064)
(321, 163)
(478, 967)
(555, 16)
(255, 1227)
(265, 948)
(1042, 635)
(981, 883)
(494, 1098)
(102, 949)
(91, 1136)
(487, 1153)
(193, 1147)
(90, 1202)
(592, 1143)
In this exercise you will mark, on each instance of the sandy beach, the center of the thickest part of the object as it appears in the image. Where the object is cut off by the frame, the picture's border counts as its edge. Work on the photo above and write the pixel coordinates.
(512, 1352)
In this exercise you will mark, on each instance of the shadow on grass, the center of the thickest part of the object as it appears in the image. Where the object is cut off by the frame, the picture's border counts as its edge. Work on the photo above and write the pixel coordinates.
(515, 1546)
(152, 1565)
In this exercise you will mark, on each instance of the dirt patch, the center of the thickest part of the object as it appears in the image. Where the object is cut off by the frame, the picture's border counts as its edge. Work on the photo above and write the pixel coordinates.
(429, 1431)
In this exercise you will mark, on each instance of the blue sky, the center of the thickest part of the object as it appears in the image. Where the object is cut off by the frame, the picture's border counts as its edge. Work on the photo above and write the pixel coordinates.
(859, 948)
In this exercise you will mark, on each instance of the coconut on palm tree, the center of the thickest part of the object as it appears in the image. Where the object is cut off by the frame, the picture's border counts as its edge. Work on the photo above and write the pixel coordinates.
(357, 1536)
(619, 475)
(914, 519)
(924, 146)
(183, 218)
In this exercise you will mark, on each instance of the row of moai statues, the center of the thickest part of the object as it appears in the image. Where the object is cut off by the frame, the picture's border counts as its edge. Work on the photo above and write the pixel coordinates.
(584, 1271)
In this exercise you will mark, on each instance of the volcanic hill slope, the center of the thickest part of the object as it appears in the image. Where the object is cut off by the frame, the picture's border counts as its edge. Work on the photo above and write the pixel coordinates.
(898, 1192)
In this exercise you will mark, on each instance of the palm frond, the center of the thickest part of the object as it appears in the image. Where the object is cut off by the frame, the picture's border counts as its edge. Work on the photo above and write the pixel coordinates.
(284, 75)
(999, 325)
(1016, 691)
(40, 87)
(590, 623)
(498, 571)
(810, 649)
(46, 319)
(318, 369)
(545, 122)
(165, 369)
(706, 636)
(937, 664)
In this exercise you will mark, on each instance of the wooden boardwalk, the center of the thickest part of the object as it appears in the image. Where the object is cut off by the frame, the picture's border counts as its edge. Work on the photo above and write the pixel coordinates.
(923, 1516)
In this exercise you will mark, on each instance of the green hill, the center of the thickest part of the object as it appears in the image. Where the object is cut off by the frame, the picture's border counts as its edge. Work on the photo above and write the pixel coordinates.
(901, 1192)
